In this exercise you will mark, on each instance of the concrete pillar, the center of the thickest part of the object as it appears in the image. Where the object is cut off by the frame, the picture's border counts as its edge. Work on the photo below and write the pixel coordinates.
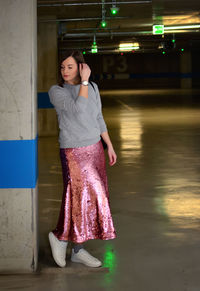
(186, 70)
(18, 136)
(47, 73)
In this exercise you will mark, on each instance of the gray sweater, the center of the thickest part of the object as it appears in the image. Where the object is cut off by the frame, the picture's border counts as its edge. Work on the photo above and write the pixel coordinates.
(80, 119)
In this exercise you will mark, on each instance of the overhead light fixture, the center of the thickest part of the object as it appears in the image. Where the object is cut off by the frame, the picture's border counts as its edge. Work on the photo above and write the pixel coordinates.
(174, 40)
(182, 27)
(129, 46)
(103, 15)
(94, 48)
(114, 9)
(103, 23)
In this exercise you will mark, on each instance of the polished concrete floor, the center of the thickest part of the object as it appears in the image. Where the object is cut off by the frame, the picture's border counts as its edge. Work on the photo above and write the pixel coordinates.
(155, 200)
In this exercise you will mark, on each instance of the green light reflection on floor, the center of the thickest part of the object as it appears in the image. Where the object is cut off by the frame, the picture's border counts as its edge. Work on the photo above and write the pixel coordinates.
(109, 262)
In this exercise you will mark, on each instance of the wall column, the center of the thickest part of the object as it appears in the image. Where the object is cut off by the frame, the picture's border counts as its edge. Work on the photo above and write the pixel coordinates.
(186, 70)
(47, 73)
(18, 136)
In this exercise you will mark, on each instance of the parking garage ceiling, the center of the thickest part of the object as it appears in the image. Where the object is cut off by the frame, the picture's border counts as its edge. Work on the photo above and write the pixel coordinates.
(79, 23)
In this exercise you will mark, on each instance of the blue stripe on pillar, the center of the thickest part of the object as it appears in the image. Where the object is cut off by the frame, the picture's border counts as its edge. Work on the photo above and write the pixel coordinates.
(19, 165)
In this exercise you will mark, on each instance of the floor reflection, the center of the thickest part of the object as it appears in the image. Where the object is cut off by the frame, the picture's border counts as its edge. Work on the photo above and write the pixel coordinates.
(154, 196)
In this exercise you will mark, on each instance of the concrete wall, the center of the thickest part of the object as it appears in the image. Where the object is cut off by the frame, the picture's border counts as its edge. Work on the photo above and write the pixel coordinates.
(196, 68)
(141, 70)
(18, 136)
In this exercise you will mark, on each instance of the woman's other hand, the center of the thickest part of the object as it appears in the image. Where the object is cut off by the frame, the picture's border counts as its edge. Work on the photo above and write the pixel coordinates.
(112, 156)
(85, 71)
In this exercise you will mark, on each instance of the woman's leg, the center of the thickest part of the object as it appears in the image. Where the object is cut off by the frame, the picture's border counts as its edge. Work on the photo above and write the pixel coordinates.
(84, 256)
(77, 247)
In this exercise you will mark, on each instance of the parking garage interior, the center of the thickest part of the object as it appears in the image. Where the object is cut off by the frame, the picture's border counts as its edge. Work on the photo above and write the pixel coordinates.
(144, 57)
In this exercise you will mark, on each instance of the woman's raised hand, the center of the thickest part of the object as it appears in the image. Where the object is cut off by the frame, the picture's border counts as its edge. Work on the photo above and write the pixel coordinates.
(85, 71)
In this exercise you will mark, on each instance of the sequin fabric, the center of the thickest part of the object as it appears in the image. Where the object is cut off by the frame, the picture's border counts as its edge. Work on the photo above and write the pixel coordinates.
(85, 208)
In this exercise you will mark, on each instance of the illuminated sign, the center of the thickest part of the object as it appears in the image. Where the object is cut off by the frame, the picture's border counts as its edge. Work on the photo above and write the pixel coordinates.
(158, 29)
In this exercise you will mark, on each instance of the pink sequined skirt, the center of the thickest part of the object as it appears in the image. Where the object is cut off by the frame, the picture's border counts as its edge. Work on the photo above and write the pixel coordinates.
(85, 211)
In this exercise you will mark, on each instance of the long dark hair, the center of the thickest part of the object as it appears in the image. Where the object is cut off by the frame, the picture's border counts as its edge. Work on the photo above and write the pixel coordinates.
(76, 54)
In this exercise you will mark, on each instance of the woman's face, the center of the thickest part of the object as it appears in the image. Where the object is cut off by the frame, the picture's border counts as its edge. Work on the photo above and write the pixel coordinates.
(69, 70)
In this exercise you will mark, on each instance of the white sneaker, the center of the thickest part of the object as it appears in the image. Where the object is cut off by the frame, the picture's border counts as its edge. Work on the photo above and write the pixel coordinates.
(58, 249)
(84, 257)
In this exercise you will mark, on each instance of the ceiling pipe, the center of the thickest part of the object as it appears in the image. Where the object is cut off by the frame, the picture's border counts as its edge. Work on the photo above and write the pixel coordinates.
(111, 34)
(108, 28)
(80, 19)
(92, 3)
(104, 34)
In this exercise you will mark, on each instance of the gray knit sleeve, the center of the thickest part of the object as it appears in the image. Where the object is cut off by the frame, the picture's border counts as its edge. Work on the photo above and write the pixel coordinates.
(100, 118)
(62, 100)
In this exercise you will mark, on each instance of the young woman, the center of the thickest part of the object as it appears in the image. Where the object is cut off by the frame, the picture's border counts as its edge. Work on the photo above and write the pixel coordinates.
(85, 212)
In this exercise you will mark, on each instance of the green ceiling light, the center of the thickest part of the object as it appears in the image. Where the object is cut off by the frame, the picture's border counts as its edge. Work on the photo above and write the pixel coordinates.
(114, 9)
(173, 41)
(103, 23)
(158, 29)
(103, 15)
(94, 48)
